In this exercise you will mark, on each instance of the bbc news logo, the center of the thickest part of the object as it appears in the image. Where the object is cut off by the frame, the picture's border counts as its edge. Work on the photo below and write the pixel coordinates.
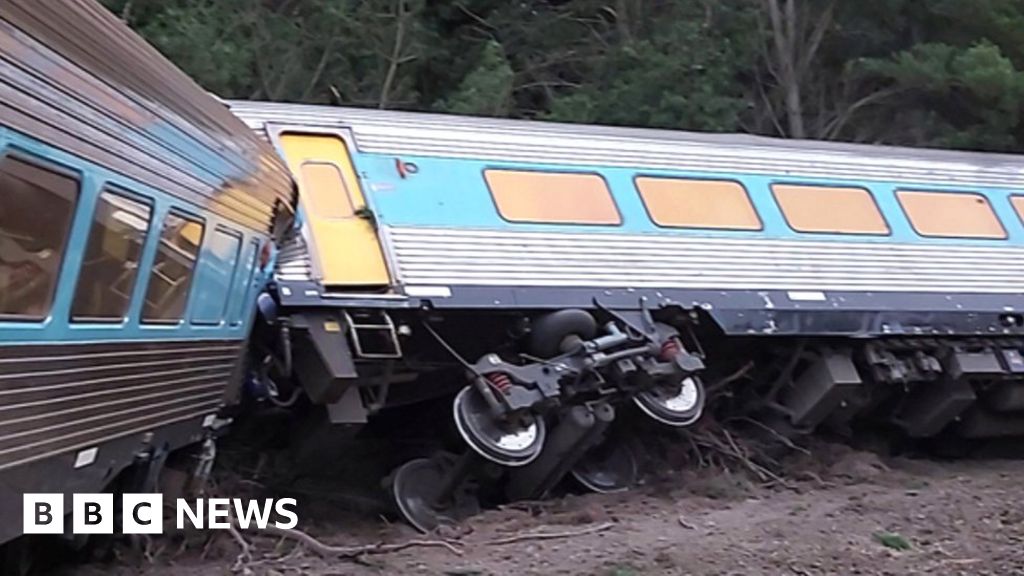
(144, 513)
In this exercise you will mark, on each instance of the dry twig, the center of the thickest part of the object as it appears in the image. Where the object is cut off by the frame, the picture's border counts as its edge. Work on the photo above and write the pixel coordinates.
(714, 388)
(329, 551)
(550, 535)
(762, 472)
(244, 557)
(818, 479)
(775, 434)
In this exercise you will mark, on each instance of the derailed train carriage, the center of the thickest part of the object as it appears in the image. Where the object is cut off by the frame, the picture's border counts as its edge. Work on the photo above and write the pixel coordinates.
(557, 274)
(137, 221)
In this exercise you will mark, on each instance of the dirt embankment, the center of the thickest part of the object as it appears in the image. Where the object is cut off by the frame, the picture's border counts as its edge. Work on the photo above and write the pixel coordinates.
(844, 512)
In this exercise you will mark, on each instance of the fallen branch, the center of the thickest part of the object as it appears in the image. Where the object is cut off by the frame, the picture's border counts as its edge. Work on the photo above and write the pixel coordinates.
(812, 476)
(723, 443)
(762, 472)
(696, 450)
(550, 535)
(329, 551)
(713, 389)
(775, 433)
(244, 557)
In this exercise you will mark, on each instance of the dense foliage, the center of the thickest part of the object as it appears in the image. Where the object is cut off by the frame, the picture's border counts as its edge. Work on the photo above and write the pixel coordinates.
(920, 72)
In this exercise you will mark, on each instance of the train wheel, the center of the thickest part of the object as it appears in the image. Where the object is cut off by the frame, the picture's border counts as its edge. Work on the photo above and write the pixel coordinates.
(610, 467)
(418, 488)
(678, 408)
(507, 443)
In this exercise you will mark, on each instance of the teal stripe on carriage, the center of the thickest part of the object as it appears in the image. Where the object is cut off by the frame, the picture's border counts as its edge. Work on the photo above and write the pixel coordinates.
(221, 302)
(452, 193)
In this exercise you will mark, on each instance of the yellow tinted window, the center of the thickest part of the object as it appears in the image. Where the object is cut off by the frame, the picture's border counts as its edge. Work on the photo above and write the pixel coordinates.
(828, 209)
(325, 189)
(552, 197)
(698, 203)
(951, 214)
(1018, 205)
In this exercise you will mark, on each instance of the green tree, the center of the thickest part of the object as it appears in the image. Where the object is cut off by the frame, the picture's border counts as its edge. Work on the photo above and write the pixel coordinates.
(487, 89)
(919, 72)
(298, 50)
(952, 97)
(676, 78)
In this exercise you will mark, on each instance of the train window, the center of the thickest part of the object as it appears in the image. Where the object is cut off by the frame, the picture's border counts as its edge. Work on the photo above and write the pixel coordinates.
(175, 264)
(552, 197)
(111, 263)
(683, 203)
(951, 214)
(324, 187)
(829, 209)
(215, 276)
(36, 210)
(246, 273)
(1018, 205)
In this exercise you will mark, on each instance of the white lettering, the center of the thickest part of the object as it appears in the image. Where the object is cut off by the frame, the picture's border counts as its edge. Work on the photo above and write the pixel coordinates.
(145, 513)
(219, 508)
(184, 510)
(252, 511)
(282, 510)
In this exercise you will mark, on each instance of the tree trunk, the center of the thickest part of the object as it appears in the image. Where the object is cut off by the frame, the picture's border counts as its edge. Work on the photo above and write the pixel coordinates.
(396, 54)
(795, 38)
(784, 32)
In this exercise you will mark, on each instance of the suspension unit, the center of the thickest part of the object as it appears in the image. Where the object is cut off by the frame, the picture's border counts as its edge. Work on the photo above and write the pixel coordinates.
(573, 374)
(620, 362)
(631, 357)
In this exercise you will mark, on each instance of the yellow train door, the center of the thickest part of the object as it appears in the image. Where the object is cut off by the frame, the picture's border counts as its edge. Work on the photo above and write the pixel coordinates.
(345, 245)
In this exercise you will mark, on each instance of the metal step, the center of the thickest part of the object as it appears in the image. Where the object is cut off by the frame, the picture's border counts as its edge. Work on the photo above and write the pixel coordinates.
(381, 328)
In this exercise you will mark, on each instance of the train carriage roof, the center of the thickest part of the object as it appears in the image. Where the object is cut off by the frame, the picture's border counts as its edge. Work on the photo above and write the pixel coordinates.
(501, 140)
(74, 76)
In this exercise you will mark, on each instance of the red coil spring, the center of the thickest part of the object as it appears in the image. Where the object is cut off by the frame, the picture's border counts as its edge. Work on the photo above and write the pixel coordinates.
(669, 349)
(501, 381)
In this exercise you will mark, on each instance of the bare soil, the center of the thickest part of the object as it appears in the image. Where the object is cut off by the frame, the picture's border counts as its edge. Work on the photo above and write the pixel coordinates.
(840, 512)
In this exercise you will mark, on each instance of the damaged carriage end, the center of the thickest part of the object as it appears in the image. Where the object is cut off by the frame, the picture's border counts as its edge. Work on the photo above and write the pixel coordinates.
(570, 371)
(320, 352)
(306, 354)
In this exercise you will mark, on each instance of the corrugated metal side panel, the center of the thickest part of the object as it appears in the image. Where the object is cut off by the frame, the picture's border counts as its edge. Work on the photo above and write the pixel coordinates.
(500, 258)
(75, 77)
(398, 133)
(57, 399)
(293, 262)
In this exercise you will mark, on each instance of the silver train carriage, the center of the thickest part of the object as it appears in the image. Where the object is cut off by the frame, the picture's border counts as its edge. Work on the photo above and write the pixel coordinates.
(558, 274)
(137, 221)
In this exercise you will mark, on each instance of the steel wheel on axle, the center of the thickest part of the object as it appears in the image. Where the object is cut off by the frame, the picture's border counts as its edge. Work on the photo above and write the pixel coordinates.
(416, 488)
(609, 467)
(507, 443)
(680, 407)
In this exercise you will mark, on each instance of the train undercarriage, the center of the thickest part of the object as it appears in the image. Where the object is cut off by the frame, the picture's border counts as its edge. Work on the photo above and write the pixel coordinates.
(535, 398)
